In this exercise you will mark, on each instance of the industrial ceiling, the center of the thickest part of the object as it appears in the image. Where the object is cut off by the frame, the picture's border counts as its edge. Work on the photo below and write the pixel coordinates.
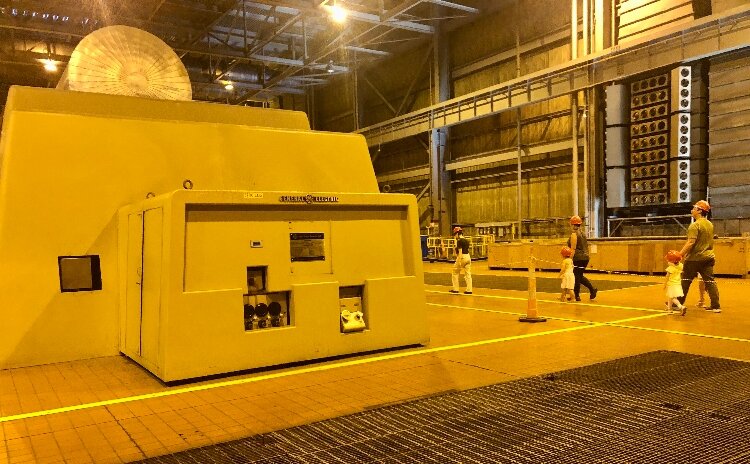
(264, 48)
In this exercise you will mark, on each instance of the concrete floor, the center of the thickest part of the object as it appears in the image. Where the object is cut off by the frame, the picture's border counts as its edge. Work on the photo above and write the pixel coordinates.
(109, 410)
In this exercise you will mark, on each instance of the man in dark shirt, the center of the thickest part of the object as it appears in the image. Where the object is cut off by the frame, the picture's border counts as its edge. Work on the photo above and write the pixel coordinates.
(463, 261)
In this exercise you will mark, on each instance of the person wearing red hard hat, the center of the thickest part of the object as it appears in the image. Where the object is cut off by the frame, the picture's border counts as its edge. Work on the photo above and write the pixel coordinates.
(699, 256)
(463, 261)
(673, 282)
(578, 243)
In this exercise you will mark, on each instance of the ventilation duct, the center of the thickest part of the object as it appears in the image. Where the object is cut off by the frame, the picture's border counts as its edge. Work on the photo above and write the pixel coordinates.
(242, 72)
(123, 60)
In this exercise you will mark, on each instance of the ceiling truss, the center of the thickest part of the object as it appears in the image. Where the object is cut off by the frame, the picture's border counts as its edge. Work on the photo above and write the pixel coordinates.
(263, 47)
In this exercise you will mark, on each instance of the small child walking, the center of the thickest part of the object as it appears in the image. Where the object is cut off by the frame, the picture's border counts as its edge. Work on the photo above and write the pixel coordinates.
(673, 282)
(566, 274)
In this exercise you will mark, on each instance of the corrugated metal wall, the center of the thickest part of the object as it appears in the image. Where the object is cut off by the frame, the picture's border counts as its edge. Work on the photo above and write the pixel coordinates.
(489, 193)
(545, 193)
(637, 18)
(729, 143)
(483, 53)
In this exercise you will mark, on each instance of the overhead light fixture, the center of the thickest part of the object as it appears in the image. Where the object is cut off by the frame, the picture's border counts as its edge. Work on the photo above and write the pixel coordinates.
(338, 14)
(50, 65)
(329, 67)
(228, 86)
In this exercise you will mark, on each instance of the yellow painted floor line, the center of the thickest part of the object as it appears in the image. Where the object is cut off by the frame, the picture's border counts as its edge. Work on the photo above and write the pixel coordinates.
(577, 303)
(619, 323)
(512, 313)
(678, 332)
(355, 362)
(317, 368)
(477, 295)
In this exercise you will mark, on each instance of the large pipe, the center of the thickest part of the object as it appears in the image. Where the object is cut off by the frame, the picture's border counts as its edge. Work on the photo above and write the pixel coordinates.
(574, 134)
(242, 72)
(573, 29)
(519, 178)
(586, 29)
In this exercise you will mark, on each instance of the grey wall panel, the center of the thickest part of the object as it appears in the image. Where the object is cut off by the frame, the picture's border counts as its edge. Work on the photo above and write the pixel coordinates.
(616, 146)
(729, 137)
(544, 194)
(640, 17)
(737, 89)
(729, 196)
(732, 212)
(730, 75)
(617, 188)
(734, 105)
(728, 179)
(717, 6)
(617, 105)
(735, 164)
(739, 118)
(729, 149)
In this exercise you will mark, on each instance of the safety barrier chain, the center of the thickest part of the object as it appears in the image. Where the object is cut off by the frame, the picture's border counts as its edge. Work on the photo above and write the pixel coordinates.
(632, 274)
(511, 265)
(524, 264)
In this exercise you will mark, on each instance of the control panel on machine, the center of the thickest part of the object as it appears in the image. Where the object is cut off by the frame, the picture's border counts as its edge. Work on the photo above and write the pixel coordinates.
(264, 309)
(352, 314)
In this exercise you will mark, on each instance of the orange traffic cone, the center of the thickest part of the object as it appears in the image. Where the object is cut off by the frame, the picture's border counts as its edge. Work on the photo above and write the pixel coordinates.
(531, 313)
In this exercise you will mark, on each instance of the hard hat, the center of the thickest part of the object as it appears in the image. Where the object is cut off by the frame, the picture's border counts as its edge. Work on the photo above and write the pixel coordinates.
(703, 205)
(576, 221)
(457, 230)
(566, 252)
(673, 256)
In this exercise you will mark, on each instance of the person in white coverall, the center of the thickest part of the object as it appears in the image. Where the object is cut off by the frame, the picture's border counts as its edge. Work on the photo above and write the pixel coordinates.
(463, 261)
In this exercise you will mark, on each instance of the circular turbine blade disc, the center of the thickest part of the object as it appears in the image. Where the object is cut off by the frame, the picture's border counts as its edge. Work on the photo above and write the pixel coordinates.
(123, 60)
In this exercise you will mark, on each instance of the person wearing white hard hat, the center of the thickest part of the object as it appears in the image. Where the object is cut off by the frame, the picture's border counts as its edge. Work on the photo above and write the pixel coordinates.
(463, 261)
(699, 256)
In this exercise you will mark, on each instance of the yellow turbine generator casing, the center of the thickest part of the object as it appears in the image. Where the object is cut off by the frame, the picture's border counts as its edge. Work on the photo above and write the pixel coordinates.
(195, 238)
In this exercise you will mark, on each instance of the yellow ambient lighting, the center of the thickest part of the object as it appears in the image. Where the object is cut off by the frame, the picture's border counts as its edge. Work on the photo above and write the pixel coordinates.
(338, 14)
(50, 65)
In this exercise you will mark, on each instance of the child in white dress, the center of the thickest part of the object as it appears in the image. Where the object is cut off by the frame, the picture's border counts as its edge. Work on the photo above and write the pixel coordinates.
(566, 274)
(673, 282)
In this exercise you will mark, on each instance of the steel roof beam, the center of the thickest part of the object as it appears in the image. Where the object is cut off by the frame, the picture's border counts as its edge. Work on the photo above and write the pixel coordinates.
(371, 51)
(706, 37)
(360, 16)
(455, 6)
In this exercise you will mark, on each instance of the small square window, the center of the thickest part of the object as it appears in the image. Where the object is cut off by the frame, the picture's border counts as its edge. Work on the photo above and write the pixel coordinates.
(79, 273)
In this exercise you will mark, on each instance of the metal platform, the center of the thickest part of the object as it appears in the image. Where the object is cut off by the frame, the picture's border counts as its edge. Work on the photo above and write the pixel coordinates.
(658, 407)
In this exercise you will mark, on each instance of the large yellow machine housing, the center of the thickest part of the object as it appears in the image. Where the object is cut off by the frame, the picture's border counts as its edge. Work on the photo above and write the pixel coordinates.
(195, 238)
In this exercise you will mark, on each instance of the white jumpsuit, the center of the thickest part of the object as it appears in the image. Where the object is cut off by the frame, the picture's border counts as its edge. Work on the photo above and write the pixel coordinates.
(462, 262)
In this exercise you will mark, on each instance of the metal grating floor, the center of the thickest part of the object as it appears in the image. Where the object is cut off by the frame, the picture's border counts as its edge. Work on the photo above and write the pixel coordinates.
(658, 407)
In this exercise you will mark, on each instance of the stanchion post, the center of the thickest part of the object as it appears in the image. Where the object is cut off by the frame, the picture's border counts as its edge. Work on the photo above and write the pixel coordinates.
(531, 313)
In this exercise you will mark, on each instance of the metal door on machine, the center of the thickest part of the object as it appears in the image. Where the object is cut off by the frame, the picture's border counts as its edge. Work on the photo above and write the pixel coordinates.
(132, 323)
(143, 311)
